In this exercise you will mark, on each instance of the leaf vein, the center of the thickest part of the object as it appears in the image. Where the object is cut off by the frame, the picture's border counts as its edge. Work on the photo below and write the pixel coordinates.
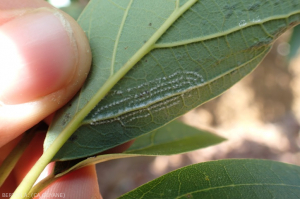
(88, 121)
(112, 70)
(223, 33)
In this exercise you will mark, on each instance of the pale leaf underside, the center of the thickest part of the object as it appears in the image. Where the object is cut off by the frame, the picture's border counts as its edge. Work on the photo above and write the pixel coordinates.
(208, 49)
(174, 138)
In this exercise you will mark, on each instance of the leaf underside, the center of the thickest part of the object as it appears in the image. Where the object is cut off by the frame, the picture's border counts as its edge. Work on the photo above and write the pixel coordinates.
(205, 51)
(174, 138)
(295, 43)
(245, 179)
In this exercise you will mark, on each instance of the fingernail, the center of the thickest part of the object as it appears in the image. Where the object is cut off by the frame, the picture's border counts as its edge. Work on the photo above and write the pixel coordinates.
(37, 56)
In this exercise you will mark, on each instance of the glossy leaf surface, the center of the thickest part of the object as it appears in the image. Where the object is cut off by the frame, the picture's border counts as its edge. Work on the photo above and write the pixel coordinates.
(247, 179)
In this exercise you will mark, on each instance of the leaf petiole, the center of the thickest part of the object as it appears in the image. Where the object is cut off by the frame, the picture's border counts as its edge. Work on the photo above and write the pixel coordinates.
(11, 160)
(41, 185)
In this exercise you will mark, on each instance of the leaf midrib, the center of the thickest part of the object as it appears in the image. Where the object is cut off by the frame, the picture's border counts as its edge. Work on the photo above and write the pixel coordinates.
(199, 39)
(145, 49)
(76, 121)
(87, 122)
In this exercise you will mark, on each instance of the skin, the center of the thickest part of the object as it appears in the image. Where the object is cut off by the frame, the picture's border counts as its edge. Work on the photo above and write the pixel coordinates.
(40, 98)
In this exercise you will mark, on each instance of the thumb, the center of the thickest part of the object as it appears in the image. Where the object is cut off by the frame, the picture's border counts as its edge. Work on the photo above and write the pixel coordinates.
(44, 60)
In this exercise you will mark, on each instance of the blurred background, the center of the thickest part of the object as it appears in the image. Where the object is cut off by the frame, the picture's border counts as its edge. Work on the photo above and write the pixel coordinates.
(260, 117)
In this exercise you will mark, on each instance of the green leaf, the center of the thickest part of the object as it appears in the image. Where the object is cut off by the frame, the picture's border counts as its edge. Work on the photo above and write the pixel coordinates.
(225, 179)
(74, 9)
(64, 167)
(182, 54)
(173, 138)
(295, 43)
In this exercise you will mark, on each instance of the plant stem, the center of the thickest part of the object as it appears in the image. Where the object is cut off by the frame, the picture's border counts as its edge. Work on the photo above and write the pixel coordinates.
(36, 170)
(41, 185)
(11, 160)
